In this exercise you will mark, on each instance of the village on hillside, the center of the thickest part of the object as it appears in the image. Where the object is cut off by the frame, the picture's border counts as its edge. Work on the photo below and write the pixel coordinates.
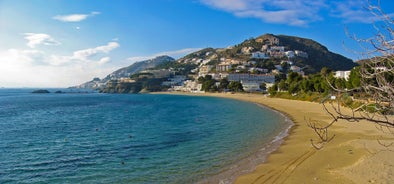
(254, 65)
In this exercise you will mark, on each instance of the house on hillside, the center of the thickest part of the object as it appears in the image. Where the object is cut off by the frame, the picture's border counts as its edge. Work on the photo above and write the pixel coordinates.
(301, 54)
(175, 81)
(276, 51)
(204, 70)
(256, 69)
(259, 55)
(246, 50)
(297, 70)
(223, 67)
(290, 54)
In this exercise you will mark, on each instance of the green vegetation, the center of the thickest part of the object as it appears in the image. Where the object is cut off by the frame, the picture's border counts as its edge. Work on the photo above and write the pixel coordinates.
(211, 85)
(208, 83)
(314, 86)
(177, 67)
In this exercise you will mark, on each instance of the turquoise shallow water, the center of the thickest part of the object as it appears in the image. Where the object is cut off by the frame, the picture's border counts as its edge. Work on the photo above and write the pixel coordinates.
(108, 138)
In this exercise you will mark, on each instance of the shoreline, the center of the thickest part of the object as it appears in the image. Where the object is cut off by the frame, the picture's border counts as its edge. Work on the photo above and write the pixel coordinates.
(248, 164)
(353, 156)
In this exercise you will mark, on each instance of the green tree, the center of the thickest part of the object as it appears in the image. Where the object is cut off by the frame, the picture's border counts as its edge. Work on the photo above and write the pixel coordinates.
(354, 78)
(293, 77)
(263, 86)
(235, 86)
(208, 83)
(293, 88)
(223, 85)
(273, 89)
(282, 85)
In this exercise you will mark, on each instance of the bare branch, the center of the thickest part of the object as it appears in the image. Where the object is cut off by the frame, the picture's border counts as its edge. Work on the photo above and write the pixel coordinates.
(373, 99)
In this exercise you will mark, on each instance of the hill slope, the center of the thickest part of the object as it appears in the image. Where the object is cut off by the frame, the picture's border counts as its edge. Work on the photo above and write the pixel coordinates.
(318, 56)
(136, 67)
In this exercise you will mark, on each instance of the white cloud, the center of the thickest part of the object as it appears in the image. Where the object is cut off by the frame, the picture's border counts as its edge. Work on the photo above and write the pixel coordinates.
(290, 12)
(24, 56)
(74, 17)
(35, 68)
(86, 53)
(229, 5)
(104, 60)
(19, 69)
(351, 11)
(174, 54)
(355, 11)
(35, 39)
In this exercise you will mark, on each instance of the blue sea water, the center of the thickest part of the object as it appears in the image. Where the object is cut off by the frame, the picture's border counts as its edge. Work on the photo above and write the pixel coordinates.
(113, 138)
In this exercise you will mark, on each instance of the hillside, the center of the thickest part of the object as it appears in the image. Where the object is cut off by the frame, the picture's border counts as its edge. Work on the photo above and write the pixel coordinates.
(125, 72)
(319, 55)
(267, 54)
(316, 56)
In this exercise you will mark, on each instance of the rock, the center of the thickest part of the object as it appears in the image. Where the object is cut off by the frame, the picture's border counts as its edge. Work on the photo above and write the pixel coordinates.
(41, 91)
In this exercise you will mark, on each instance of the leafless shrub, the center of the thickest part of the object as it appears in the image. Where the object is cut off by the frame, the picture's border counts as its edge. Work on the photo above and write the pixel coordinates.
(377, 83)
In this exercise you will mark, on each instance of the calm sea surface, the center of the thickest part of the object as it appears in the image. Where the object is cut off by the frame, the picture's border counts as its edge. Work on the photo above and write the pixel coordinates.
(110, 138)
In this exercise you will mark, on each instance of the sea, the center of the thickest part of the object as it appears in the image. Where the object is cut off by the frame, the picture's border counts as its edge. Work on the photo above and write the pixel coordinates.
(89, 137)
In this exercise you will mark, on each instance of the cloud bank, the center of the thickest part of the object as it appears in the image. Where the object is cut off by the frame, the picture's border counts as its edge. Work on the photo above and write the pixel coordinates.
(37, 68)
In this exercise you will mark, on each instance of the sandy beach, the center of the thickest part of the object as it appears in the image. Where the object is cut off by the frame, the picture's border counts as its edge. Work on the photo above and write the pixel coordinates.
(353, 156)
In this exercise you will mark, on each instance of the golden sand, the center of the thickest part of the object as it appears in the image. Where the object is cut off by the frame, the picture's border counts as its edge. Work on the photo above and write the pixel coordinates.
(353, 156)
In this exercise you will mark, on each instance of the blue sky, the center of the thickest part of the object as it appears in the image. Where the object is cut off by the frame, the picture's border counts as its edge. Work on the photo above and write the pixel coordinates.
(61, 43)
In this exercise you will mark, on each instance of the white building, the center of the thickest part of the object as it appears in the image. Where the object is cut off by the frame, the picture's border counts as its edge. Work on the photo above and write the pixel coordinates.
(192, 86)
(204, 70)
(278, 48)
(174, 81)
(223, 67)
(290, 54)
(260, 55)
(278, 67)
(255, 69)
(295, 69)
(301, 54)
(342, 74)
(259, 78)
(250, 86)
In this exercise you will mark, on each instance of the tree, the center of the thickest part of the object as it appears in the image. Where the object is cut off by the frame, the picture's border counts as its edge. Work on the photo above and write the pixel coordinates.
(263, 86)
(354, 79)
(273, 89)
(375, 84)
(223, 85)
(208, 83)
(235, 86)
(282, 85)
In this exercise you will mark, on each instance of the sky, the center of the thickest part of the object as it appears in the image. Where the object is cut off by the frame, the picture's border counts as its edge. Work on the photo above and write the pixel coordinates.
(62, 43)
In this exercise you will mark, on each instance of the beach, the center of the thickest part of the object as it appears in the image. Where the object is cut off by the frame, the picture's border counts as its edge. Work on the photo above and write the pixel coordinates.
(353, 156)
